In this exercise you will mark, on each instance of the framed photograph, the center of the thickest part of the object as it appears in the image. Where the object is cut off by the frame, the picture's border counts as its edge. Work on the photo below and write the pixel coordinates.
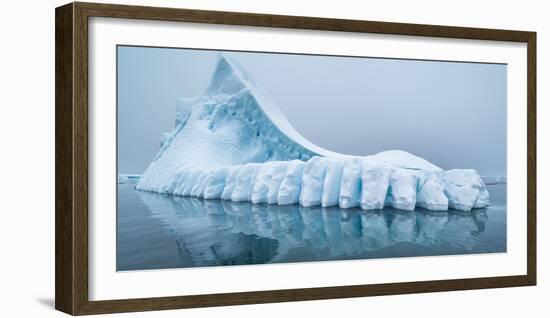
(211, 158)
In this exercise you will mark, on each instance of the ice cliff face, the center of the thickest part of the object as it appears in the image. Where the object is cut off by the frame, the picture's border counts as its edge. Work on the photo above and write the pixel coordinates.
(233, 143)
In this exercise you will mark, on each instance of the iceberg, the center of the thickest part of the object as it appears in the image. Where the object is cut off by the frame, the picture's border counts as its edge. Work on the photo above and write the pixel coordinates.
(234, 143)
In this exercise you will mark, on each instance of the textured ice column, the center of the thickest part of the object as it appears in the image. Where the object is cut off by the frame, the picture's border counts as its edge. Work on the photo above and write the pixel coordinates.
(216, 183)
(483, 198)
(289, 192)
(375, 183)
(245, 179)
(260, 188)
(174, 181)
(350, 188)
(461, 197)
(230, 182)
(182, 182)
(331, 185)
(431, 195)
(463, 187)
(200, 184)
(402, 190)
(190, 181)
(278, 173)
(312, 181)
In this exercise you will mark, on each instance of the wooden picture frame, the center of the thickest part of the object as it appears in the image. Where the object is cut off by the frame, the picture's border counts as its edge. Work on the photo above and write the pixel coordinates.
(71, 220)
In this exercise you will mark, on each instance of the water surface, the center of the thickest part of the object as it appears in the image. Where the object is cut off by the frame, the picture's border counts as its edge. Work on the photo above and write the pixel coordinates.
(162, 231)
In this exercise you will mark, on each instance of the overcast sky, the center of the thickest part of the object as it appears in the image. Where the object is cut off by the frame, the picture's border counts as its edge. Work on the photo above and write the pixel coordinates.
(452, 114)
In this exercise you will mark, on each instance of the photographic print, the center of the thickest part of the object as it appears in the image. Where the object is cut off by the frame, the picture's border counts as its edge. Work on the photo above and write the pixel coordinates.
(268, 158)
(240, 158)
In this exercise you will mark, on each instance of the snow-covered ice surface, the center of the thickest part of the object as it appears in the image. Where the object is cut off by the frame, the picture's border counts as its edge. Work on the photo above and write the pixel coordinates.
(234, 143)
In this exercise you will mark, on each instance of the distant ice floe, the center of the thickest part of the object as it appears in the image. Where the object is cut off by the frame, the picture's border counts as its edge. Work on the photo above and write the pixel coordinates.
(122, 179)
(491, 180)
(233, 143)
(126, 178)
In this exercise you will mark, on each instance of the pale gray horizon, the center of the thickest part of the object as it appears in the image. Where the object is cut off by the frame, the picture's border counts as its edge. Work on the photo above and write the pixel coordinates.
(450, 113)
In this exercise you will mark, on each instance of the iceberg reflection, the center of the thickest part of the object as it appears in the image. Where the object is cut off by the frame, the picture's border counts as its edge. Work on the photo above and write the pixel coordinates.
(217, 232)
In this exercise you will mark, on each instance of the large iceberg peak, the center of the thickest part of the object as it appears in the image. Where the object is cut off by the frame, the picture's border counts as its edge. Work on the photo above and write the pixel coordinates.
(227, 77)
(230, 77)
(232, 123)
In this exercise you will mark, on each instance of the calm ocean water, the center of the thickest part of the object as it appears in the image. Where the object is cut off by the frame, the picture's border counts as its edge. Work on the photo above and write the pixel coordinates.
(161, 231)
